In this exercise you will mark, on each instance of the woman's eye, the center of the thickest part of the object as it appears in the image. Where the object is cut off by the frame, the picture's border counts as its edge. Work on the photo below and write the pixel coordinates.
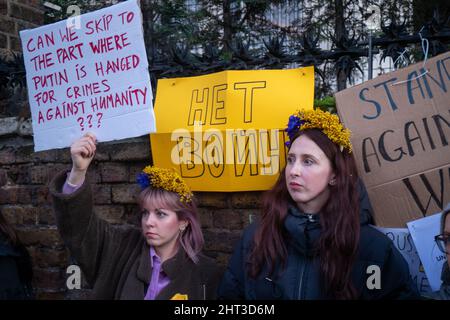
(144, 213)
(160, 213)
(308, 161)
(290, 160)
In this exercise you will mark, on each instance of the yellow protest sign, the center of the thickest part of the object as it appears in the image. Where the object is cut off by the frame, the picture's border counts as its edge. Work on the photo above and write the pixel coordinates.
(224, 131)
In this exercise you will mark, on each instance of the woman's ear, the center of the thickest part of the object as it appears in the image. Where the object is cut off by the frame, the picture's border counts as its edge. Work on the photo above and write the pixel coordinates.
(332, 181)
(183, 225)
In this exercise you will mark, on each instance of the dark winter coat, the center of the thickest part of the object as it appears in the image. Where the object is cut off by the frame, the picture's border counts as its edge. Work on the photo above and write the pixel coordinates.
(115, 260)
(15, 271)
(300, 279)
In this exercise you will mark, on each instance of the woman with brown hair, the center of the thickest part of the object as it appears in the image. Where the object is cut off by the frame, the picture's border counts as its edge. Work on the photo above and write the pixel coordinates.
(313, 240)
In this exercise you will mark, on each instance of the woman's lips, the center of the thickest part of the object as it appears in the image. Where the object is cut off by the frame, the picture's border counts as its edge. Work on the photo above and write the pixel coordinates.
(295, 186)
(151, 235)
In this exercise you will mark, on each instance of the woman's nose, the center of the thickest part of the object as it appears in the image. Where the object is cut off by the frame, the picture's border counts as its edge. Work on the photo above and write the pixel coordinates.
(149, 220)
(295, 170)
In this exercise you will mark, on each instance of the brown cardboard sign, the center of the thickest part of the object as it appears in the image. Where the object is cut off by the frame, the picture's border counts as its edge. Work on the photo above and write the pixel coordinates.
(400, 125)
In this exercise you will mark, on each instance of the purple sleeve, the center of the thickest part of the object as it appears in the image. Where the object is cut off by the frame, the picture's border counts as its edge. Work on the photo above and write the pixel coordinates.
(69, 188)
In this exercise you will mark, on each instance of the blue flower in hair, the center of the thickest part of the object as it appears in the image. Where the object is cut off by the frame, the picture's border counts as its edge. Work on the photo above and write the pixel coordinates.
(293, 127)
(143, 180)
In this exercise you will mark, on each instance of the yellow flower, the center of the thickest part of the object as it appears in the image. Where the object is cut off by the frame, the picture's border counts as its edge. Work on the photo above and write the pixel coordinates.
(328, 123)
(169, 180)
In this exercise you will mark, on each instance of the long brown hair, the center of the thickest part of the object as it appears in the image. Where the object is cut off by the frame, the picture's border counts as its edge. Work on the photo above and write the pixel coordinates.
(339, 219)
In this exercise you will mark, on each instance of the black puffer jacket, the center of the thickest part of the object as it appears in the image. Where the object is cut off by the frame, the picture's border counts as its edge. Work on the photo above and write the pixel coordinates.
(301, 277)
(15, 272)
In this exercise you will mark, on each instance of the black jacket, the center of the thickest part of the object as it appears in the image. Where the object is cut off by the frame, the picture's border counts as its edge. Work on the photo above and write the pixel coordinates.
(300, 279)
(15, 271)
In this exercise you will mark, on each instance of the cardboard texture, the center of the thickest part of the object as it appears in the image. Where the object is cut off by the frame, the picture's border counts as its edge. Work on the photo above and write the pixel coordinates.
(224, 131)
(400, 125)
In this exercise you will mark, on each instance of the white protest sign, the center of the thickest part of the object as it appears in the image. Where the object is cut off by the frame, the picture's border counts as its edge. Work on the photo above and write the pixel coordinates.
(402, 240)
(91, 75)
(423, 232)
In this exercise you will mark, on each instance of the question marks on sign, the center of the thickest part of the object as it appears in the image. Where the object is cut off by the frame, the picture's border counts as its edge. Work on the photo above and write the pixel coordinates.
(81, 123)
(99, 116)
(89, 119)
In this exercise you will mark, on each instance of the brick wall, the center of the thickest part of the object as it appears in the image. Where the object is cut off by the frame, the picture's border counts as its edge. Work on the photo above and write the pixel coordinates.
(16, 15)
(25, 202)
(24, 177)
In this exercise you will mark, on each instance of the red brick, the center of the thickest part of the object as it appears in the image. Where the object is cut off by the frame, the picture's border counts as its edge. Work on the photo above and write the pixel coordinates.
(94, 174)
(11, 215)
(15, 195)
(45, 236)
(39, 174)
(24, 25)
(220, 240)
(212, 199)
(24, 154)
(125, 193)
(113, 172)
(32, 3)
(101, 154)
(20, 214)
(41, 195)
(227, 219)
(3, 45)
(206, 217)
(3, 8)
(45, 257)
(3, 177)
(131, 151)
(249, 216)
(63, 155)
(45, 156)
(19, 174)
(244, 200)
(135, 169)
(7, 156)
(15, 44)
(111, 214)
(46, 215)
(54, 169)
(49, 278)
(7, 25)
(101, 194)
(26, 13)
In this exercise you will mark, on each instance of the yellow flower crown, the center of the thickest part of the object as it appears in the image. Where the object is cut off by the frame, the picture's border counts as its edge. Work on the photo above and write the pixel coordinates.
(166, 179)
(325, 121)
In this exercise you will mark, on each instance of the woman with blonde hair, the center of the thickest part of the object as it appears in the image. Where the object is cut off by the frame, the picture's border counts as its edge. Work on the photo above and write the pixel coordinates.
(162, 260)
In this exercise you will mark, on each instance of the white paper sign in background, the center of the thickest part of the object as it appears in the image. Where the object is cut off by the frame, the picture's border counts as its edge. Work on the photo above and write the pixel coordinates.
(423, 232)
(402, 240)
(91, 75)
